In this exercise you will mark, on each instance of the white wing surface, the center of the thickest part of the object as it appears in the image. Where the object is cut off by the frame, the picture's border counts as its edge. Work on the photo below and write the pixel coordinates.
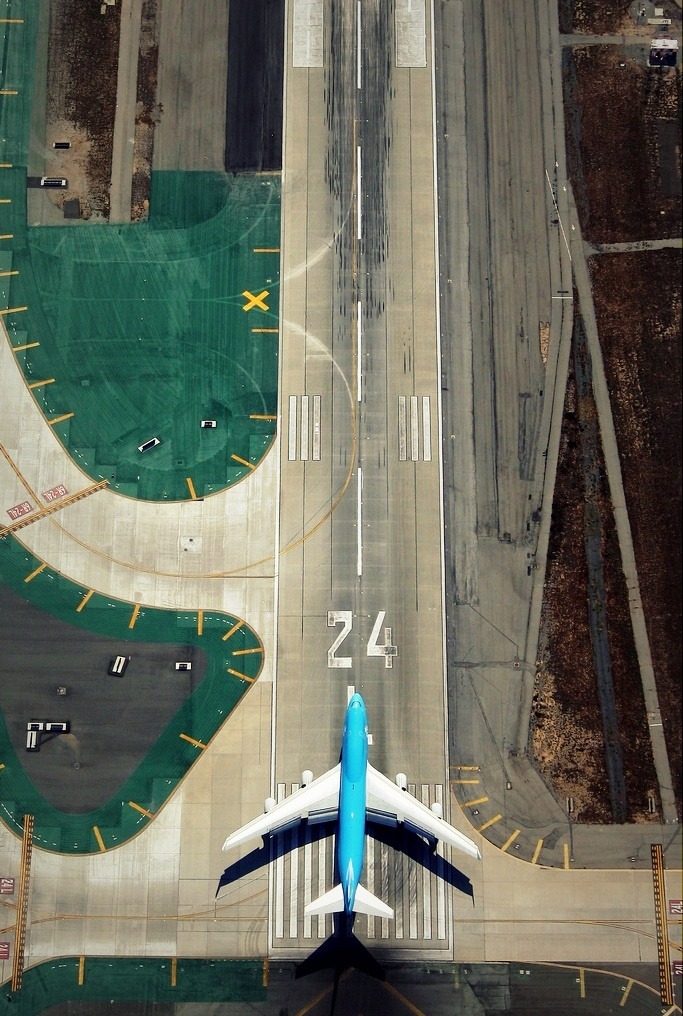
(386, 797)
(320, 795)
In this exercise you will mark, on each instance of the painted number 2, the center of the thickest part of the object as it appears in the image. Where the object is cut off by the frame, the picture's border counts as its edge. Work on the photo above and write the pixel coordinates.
(375, 647)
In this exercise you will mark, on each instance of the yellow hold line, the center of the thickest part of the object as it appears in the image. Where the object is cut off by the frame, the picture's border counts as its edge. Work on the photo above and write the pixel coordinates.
(81, 970)
(200, 622)
(266, 250)
(60, 419)
(36, 571)
(235, 627)
(491, 821)
(98, 837)
(476, 801)
(143, 811)
(14, 271)
(39, 384)
(242, 462)
(134, 615)
(85, 599)
(174, 971)
(247, 652)
(27, 345)
(262, 416)
(192, 740)
(537, 851)
(242, 677)
(12, 310)
(190, 485)
(510, 840)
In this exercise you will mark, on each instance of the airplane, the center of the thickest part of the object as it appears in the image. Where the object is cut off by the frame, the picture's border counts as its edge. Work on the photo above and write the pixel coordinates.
(355, 796)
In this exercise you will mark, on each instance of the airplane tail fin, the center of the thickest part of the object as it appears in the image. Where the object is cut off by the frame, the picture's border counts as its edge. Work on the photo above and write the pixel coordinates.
(366, 903)
(331, 902)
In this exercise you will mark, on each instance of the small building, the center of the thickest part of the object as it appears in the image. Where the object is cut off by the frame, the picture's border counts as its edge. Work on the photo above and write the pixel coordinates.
(663, 52)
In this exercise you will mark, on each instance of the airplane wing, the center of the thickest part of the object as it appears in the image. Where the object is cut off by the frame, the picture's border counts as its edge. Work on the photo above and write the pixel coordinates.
(390, 801)
(319, 800)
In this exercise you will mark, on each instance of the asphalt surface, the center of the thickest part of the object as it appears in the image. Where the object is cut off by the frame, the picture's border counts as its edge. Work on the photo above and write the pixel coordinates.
(114, 721)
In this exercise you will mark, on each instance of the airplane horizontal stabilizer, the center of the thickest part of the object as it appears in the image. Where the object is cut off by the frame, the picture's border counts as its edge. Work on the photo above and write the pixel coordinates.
(366, 903)
(331, 902)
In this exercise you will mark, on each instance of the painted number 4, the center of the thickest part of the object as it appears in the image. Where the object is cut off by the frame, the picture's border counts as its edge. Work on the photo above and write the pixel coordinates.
(375, 647)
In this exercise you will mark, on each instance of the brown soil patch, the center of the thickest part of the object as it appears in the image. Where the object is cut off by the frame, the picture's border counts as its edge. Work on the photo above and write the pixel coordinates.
(567, 730)
(613, 145)
(638, 306)
(81, 98)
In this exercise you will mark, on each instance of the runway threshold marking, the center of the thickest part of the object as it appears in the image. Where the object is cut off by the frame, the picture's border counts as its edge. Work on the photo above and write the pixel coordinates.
(477, 800)
(242, 677)
(98, 837)
(255, 300)
(134, 615)
(537, 851)
(627, 990)
(81, 970)
(26, 345)
(243, 462)
(192, 740)
(229, 634)
(143, 811)
(85, 599)
(190, 487)
(36, 571)
(491, 821)
(511, 839)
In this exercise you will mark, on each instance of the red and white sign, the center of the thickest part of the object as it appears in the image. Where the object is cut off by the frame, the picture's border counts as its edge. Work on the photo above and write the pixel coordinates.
(20, 509)
(4, 950)
(54, 493)
(676, 906)
(6, 886)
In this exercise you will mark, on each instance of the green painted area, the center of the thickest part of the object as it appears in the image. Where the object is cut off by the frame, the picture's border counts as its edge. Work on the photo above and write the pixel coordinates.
(169, 760)
(128, 980)
(143, 330)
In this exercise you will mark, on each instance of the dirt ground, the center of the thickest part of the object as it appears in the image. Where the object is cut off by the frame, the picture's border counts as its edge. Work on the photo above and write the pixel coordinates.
(625, 169)
(81, 98)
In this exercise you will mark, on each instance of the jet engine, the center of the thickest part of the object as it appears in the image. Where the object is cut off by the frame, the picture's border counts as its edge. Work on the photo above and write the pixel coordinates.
(401, 781)
(437, 809)
(270, 803)
(306, 777)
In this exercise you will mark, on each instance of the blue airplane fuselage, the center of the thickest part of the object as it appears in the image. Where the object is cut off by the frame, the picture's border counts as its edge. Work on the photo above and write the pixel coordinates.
(352, 800)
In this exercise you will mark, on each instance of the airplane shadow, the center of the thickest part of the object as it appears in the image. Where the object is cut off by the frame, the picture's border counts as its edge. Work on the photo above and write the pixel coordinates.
(342, 949)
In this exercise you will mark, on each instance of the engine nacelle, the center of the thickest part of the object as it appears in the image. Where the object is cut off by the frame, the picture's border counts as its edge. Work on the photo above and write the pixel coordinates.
(306, 777)
(401, 781)
(270, 803)
(437, 809)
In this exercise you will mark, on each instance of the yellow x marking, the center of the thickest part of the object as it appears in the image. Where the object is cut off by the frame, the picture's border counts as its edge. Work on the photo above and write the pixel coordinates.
(255, 301)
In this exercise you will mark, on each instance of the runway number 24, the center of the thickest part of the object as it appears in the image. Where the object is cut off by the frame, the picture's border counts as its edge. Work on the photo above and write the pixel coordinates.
(375, 647)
